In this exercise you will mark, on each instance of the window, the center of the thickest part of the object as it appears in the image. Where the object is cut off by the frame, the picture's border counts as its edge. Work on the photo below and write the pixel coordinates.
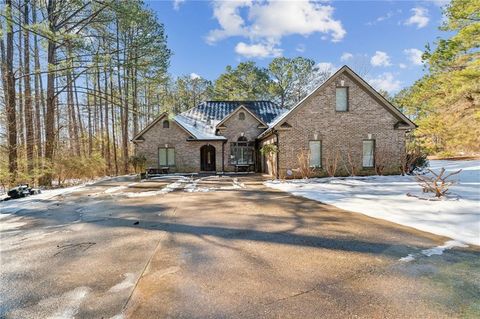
(166, 156)
(341, 99)
(242, 152)
(368, 153)
(315, 153)
(241, 116)
(166, 124)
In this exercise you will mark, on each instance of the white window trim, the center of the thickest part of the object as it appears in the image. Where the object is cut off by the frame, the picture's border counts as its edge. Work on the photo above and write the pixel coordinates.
(310, 154)
(347, 93)
(373, 153)
(166, 157)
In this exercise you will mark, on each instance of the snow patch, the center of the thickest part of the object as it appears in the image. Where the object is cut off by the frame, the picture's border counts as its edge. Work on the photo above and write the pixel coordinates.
(435, 250)
(385, 197)
(408, 258)
(115, 189)
(440, 249)
(128, 282)
(71, 302)
(11, 223)
(167, 189)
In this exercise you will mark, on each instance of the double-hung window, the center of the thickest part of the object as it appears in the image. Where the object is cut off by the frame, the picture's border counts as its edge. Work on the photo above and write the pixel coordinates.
(368, 153)
(341, 99)
(166, 156)
(315, 153)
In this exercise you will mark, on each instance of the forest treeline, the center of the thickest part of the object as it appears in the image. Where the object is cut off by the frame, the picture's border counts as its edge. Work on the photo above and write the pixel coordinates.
(81, 78)
(445, 103)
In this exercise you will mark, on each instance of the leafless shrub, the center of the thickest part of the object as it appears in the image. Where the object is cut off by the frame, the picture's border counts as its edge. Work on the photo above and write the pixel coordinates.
(438, 183)
(380, 162)
(304, 168)
(349, 163)
(331, 162)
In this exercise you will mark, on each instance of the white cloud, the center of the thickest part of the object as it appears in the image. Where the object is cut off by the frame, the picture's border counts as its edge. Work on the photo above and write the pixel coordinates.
(325, 67)
(414, 55)
(385, 81)
(346, 56)
(419, 18)
(194, 76)
(402, 66)
(387, 16)
(300, 48)
(441, 3)
(269, 21)
(380, 58)
(257, 50)
(177, 3)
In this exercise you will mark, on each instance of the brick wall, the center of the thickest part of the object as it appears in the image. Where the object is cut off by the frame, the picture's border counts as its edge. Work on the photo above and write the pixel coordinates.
(187, 153)
(233, 128)
(342, 131)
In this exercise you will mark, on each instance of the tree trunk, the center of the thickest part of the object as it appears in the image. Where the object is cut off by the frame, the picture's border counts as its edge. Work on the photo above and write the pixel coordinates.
(89, 112)
(28, 94)
(114, 140)
(50, 107)
(107, 134)
(100, 107)
(125, 108)
(135, 97)
(10, 94)
(21, 111)
(38, 89)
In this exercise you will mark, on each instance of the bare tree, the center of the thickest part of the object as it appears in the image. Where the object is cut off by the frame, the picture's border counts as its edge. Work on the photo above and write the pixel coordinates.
(438, 183)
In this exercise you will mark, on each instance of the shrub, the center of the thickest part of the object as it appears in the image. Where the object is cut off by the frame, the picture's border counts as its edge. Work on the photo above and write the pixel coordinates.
(269, 150)
(139, 163)
(331, 163)
(304, 168)
(413, 160)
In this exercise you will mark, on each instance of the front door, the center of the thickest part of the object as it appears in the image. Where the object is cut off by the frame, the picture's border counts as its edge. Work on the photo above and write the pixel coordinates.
(207, 158)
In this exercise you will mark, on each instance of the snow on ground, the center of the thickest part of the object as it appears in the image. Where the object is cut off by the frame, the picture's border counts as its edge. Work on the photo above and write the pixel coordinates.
(434, 251)
(457, 216)
(15, 205)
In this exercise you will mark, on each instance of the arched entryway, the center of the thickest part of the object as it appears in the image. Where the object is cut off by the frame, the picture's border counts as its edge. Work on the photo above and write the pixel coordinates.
(207, 158)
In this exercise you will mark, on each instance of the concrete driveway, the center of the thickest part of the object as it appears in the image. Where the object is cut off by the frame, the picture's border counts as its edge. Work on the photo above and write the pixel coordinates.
(221, 247)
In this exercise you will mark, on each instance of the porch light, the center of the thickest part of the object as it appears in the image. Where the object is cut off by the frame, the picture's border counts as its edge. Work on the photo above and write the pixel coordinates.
(315, 136)
(166, 145)
(342, 82)
(369, 136)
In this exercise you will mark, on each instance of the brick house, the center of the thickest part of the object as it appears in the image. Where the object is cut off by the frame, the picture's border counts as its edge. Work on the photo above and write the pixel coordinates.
(344, 118)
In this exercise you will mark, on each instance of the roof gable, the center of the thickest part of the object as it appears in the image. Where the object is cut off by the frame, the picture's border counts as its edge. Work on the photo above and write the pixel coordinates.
(362, 83)
(149, 126)
(241, 107)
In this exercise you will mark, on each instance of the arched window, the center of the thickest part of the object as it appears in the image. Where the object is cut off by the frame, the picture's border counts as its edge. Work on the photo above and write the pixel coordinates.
(166, 124)
(241, 116)
(242, 152)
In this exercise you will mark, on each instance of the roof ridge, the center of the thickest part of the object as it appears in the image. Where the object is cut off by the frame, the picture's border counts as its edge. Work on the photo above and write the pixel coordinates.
(237, 101)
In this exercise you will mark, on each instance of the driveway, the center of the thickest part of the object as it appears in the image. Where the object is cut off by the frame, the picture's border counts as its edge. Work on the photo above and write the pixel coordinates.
(221, 247)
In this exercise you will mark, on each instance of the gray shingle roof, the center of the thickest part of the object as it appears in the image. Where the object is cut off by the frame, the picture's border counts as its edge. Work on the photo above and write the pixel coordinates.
(202, 120)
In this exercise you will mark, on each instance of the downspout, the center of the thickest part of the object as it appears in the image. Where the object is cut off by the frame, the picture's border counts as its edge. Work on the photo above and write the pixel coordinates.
(277, 161)
(223, 157)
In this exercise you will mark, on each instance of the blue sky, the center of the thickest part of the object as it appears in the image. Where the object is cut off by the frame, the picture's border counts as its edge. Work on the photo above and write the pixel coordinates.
(381, 39)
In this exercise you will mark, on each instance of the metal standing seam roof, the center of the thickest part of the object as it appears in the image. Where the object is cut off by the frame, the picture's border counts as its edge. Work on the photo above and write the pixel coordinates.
(202, 120)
